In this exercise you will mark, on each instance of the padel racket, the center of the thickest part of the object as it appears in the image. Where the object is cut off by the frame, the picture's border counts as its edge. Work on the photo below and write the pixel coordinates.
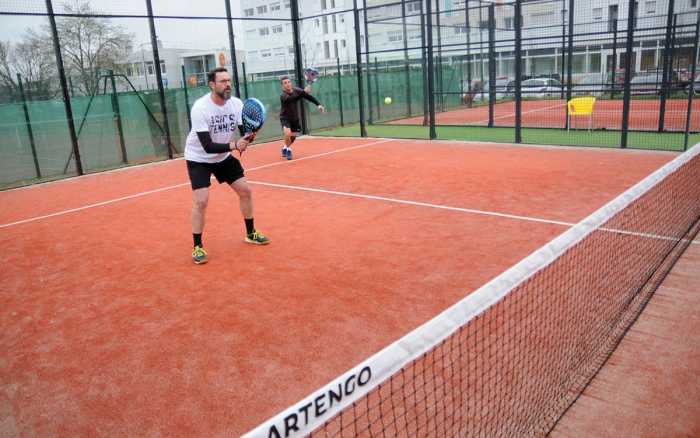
(253, 116)
(311, 74)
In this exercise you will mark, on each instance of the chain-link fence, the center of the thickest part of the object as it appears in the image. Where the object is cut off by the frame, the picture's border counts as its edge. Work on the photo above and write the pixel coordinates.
(94, 84)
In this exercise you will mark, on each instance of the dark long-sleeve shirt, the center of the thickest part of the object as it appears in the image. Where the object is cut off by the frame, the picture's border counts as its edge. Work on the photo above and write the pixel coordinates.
(290, 109)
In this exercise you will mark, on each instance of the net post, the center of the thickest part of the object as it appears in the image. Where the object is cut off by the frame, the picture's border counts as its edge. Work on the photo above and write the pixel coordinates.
(358, 60)
(570, 59)
(117, 116)
(298, 69)
(232, 47)
(340, 93)
(670, 23)
(518, 70)
(431, 72)
(691, 86)
(628, 74)
(376, 88)
(30, 131)
(492, 62)
(405, 57)
(187, 96)
(159, 78)
(370, 119)
(64, 88)
(245, 80)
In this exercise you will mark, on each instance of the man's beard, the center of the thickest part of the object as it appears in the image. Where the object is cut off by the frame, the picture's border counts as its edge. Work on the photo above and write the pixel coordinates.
(225, 94)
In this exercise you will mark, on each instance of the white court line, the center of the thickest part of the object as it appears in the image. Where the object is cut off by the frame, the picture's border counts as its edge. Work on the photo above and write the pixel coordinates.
(460, 209)
(162, 189)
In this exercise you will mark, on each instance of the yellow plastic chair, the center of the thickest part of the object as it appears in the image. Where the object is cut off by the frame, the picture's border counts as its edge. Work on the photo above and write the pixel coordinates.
(581, 106)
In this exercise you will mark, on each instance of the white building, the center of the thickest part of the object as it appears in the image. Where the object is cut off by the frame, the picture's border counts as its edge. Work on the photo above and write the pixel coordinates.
(325, 38)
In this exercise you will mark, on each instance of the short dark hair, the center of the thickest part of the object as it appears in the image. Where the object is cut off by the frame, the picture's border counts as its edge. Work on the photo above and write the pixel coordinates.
(211, 76)
(283, 78)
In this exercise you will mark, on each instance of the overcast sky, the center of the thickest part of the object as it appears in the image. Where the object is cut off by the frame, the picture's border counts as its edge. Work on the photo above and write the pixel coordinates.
(173, 33)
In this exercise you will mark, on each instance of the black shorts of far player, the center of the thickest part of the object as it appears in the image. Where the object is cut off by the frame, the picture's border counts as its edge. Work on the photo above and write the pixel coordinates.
(226, 171)
(293, 125)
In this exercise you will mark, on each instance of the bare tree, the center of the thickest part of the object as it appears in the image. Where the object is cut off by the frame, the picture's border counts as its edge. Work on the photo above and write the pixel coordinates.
(89, 44)
(31, 58)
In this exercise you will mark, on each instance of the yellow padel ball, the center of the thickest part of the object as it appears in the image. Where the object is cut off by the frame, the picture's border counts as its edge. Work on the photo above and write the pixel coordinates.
(387, 100)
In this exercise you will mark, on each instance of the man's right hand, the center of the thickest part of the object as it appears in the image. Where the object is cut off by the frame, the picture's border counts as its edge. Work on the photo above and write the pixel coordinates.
(307, 89)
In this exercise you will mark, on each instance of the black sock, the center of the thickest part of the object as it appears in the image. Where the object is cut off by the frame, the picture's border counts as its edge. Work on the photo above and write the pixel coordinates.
(249, 228)
(197, 239)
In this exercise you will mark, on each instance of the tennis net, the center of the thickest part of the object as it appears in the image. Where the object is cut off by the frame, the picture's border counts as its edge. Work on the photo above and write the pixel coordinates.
(510, 358)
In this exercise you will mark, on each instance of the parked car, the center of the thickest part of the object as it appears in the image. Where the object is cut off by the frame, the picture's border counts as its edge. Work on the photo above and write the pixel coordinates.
(590, 85)
(651, 82)
(541, 87)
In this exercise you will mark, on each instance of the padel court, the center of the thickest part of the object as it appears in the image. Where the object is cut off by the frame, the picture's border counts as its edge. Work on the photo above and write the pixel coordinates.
(109, 329)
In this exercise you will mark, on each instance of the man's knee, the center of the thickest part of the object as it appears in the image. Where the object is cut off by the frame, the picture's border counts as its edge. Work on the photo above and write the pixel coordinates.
(200, 201)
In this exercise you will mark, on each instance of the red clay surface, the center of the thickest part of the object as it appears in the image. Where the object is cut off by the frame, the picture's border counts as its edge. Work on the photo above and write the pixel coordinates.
(108, 329)
(607, 114)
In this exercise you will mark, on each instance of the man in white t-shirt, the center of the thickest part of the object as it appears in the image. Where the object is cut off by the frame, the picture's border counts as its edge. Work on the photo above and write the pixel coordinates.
(215, 118)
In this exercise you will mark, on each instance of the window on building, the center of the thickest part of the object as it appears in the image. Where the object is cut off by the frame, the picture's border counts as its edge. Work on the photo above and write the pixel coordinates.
(275, 6)
(341, 17)
(650, 7)
(335, 47)
(277, 29)
(264, 31)
(612, 17)
(484, 24)
(332, 3)
(343, 44)
(287, 5)
(412, 7)
(648, 59)
(395, 35)
(597, 13)
(248, 12)
(265, 53)
(291, 50)
(508, 23)
(262, 9)
(693, 3)
(323, 4)
(460, 29)
(335, 25)
(162, 67)
(594, 62)
(414, 35)
(325, 24)
(318, 22)
(326, 50)
(149, 68)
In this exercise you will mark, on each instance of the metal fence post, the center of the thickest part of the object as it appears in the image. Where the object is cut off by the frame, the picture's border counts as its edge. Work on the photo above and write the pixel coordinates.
(469, 64)
(670, 22)
(614, 63)
(691, 86)
(187, 96)
(159, 79)
(340, 93)
(117, 116)
(376, 89)
(64, 88)
(30, 131)
(570, 61)
(424, 69)
(492, 62)
(629, 44)
(245, 80)
(518, 71)
(358, 60)
(369, 67)
(431, 96)
(405, 57)
(298, 69)
(232, 46)
(563, 43)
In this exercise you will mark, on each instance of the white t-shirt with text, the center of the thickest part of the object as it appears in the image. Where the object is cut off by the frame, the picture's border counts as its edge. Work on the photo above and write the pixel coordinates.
(220, 120)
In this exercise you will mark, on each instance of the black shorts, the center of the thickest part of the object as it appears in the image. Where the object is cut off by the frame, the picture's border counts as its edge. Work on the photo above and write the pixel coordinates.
(226, 171)
(291, 124)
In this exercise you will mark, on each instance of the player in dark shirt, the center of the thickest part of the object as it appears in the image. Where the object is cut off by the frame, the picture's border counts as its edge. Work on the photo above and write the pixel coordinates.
(289, 113)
